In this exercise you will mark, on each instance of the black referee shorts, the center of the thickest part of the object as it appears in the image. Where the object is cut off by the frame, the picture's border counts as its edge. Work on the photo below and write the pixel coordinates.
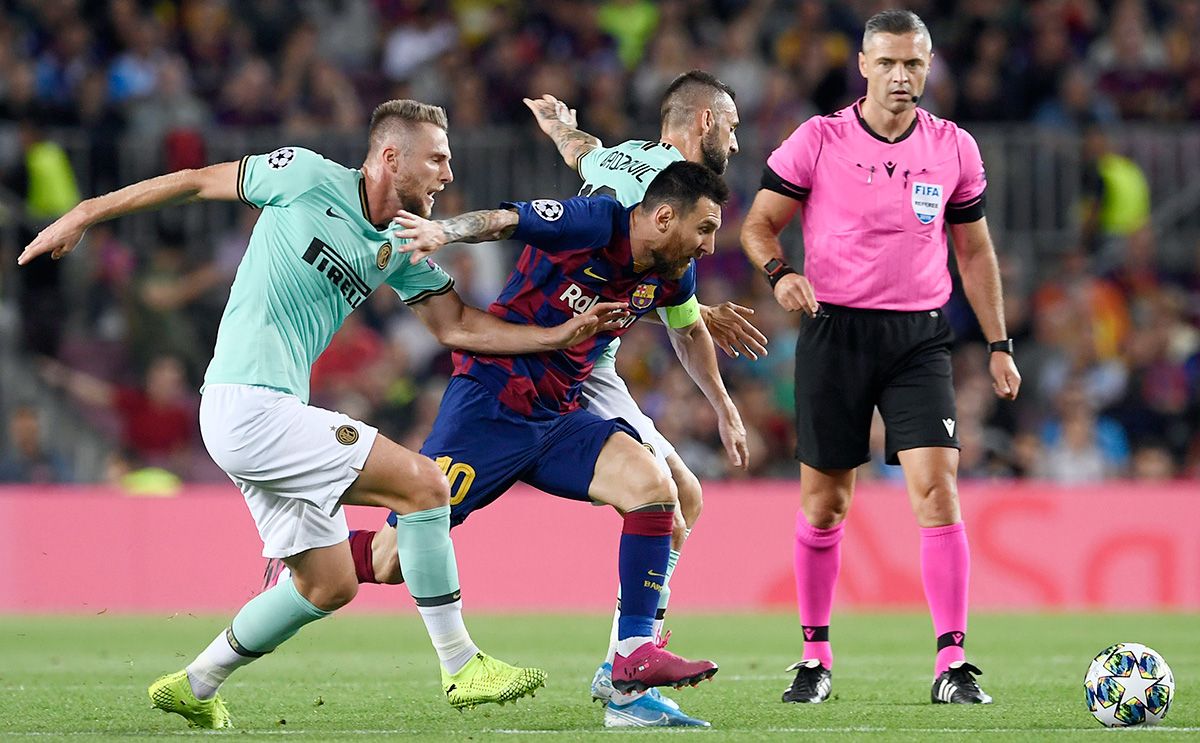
(849, 361)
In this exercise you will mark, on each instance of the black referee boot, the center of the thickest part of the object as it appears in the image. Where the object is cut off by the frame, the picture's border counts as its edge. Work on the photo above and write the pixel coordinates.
(812, 684)
(957, 685)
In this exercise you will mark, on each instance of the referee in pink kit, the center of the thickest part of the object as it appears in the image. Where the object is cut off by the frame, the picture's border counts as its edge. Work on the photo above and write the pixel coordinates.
(874, 183)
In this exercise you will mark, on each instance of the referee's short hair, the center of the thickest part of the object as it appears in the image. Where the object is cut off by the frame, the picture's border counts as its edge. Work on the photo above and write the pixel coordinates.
(895, 21)
(688, 92)
(681, 185)
(389, 116)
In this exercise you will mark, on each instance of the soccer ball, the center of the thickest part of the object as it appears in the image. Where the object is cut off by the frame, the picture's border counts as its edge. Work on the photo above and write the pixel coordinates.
(1128, 684)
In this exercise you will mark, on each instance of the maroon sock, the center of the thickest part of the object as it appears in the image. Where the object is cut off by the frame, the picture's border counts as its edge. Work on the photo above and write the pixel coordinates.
(360, 550)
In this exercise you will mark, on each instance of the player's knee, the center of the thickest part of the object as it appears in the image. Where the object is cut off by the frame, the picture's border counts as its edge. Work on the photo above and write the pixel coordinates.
(691, 496)
(332, 595)
(936, 502)
(825, 503)
(428, 488)
(937, 492)
(825, 513)
(649, 484)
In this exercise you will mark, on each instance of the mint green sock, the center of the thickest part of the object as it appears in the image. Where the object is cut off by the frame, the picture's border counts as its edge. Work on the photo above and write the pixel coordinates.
(270, 618)
(427, 556)
(664, 596)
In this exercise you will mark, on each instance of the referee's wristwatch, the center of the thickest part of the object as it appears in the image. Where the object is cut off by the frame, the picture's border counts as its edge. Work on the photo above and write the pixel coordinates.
(1004, 346)
(776, 270)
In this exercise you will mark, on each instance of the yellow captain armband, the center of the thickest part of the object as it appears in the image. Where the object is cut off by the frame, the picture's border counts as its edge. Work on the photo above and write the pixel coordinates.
(682, 315)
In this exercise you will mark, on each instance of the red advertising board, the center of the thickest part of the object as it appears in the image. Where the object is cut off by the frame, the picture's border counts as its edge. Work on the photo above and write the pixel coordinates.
(1117, 546)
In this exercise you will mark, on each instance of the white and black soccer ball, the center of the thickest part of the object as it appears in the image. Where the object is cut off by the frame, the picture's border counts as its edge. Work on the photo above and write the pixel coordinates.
(1128, 684)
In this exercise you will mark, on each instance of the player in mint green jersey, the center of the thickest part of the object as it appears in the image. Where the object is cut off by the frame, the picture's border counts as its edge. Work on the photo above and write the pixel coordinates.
(320, 246)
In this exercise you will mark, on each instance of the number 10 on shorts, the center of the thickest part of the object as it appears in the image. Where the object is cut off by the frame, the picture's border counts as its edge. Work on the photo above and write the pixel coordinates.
(461, 473)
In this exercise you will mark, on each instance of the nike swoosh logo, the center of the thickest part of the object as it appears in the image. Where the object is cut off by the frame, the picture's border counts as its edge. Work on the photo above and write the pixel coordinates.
(330, 213)
(589, 272)
(656, 575)
(661, 721)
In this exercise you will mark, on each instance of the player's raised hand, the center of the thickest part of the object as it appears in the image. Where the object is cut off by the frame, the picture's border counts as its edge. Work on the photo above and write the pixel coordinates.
(58, 239)
(794, 292)
(1006, 380)
(599, 318)
(733, 437)
(730, 327)
(425, 236)
(548, 111)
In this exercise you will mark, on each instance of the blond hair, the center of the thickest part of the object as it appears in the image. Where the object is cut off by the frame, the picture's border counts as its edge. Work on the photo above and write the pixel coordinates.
(391, 116)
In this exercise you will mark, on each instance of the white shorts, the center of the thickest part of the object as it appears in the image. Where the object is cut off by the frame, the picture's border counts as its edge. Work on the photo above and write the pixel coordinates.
(292, 462)
(605, 394)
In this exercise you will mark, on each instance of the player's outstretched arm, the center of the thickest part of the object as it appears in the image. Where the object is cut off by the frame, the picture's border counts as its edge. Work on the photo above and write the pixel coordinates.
(694, 346)
(559, 124)
(61, 237)
(981, 282)
(458, 326)
(730, 327)
(427, 236)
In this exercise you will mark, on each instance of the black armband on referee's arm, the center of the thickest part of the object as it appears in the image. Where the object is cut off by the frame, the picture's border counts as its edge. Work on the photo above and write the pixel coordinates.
(771, 181)
(966, 212)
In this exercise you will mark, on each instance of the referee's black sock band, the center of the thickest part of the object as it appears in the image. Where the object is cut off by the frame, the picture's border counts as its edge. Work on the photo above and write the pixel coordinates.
(951, 639)
(816, 634)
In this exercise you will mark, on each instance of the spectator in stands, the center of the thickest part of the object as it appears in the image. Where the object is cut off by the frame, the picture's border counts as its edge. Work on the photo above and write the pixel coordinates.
(417, 41)
(1116, 203)
(157, 420)
(1048, 60)
(284, 72)
(1159, 393)
(1152, 461)
(26, 458)
(249, 97)
(134, 73)
(1078, 103)
(1080, 446)
(632, 23)
(165, 311)
(171, 108)
(104, 123)
(64, 64)
(111, 265)
(1132, 62)
(1076, 457)
(45, 181)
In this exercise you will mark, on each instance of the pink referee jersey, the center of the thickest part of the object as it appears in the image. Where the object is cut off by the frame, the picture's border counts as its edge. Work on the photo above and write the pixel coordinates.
(873, 211)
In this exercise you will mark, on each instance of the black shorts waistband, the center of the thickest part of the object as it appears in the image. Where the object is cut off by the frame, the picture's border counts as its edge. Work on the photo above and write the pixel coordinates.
(837, 309)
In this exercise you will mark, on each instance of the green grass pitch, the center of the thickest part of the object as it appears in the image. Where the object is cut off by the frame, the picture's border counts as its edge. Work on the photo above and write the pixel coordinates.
(374, 677)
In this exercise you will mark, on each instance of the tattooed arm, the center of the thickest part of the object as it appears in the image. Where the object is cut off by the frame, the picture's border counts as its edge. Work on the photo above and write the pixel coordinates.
(473, 227)
(558, 122)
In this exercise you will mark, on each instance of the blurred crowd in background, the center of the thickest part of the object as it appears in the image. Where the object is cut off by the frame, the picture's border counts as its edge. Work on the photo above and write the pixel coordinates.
(1108, 339)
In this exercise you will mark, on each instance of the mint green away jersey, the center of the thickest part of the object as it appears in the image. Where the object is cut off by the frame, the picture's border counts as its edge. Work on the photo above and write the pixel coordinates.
(624, 172)
(313, 257)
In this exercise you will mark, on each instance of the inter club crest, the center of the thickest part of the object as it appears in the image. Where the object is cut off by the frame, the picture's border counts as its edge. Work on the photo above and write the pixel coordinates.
(643, 296)
(383, 256)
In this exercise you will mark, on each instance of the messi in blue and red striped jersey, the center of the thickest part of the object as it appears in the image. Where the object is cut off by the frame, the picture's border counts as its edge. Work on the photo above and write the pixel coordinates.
(505, 419)
(577, 254)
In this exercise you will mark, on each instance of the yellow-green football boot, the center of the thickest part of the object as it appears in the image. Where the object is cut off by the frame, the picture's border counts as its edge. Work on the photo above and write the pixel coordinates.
(173, 693)
(484, 679)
